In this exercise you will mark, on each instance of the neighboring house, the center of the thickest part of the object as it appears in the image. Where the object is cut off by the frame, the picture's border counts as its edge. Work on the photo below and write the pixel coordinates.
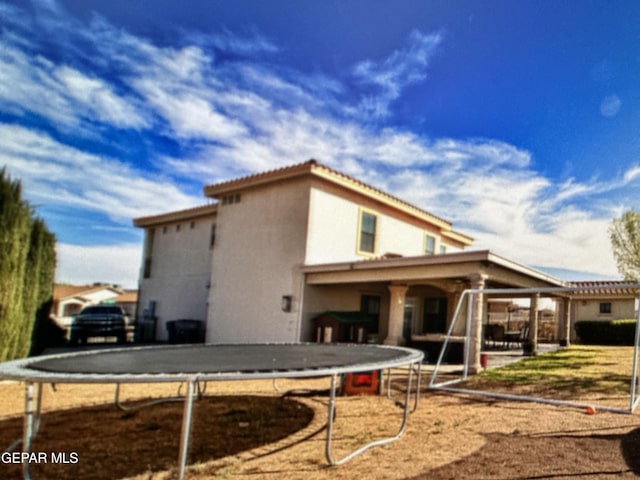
(69, 300)
(279, 248)
(597, 302)
(128, 300)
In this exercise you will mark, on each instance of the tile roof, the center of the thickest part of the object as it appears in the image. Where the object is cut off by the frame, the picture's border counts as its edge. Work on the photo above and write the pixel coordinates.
(313, 167)
(65, 291)
(129, 296)
(608, 288)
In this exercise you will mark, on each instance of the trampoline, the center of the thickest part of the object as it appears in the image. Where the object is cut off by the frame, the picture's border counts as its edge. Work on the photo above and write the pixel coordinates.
(193, 364)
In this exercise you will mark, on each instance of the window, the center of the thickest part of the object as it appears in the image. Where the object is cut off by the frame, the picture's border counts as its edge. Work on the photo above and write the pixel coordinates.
(429, 245)
(605, 307)
(409, 320)
(367, 240)
(230, 199)
(148, 251)
(434, 318)
(443, 249)
(370, 305)
(212, 239)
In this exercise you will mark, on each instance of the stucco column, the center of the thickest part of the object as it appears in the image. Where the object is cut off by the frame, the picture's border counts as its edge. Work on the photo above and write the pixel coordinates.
(531, 343)
(476, 282)
(565, 334)
(396, 315)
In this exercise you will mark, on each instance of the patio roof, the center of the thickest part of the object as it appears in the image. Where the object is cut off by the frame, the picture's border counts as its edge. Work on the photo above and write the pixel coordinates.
(499, 271)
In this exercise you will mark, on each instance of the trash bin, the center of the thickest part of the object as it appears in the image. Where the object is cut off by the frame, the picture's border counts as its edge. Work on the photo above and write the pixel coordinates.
(145, 331)
(185, 331)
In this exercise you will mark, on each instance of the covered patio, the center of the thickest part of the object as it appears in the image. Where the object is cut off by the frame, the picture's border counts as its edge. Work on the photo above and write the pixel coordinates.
(414, 298)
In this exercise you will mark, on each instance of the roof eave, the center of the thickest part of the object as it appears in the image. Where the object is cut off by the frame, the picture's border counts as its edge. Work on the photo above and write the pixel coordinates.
(436, 260)
(180, 215)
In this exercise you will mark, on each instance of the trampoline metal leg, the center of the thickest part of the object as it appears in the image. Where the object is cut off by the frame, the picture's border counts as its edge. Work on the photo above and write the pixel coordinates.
(32, 405)
(383, 441)
(186, 427)
(418, 382)
(416, 399)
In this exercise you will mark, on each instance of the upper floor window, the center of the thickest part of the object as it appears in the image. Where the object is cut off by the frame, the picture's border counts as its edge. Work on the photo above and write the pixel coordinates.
(605, 307)
(443, 249)
(367, 234)
(212, 237)
(429, 245)
(229, 199)
(148, 252)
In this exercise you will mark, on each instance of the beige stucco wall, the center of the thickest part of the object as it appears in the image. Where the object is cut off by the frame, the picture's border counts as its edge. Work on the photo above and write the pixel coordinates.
(262, 240)
(180, 272)
(333, 229)
(259, 249)
(590, 309)
(319, 299)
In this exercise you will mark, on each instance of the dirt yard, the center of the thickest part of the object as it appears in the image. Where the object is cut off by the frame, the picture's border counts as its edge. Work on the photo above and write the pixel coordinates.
(248, 431)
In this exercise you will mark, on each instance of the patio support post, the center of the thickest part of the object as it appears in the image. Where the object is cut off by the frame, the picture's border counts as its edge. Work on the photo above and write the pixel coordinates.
(477, 282)
(396, 315)
(567, 322)
(531, 342)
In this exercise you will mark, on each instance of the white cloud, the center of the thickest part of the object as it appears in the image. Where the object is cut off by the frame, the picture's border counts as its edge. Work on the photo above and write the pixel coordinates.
(245, 115)
(189, 115)
(98, 100)
(55, 173)
(115, 264)
(610, 106)
(403, 67)
(632, 174)
(63, 95)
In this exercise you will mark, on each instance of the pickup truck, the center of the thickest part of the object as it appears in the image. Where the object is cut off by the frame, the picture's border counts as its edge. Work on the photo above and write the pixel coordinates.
(99, 321)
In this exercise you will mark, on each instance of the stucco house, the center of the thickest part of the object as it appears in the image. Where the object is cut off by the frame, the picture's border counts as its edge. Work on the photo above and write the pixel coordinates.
(602, 300)
(68, 300)
(274, 250)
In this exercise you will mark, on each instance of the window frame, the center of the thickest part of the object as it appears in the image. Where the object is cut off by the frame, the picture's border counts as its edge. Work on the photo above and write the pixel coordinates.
(605, 308)
(359, 245)
(427, 236)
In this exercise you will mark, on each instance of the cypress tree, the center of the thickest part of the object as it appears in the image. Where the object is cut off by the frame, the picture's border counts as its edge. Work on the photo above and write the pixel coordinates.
(27, 262)
(45, 332)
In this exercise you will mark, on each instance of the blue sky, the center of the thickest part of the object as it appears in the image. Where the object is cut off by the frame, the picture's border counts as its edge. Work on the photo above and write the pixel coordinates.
(518, 121)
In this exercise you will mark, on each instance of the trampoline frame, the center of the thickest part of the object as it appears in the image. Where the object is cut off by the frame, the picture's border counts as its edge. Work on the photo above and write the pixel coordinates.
(20, 370)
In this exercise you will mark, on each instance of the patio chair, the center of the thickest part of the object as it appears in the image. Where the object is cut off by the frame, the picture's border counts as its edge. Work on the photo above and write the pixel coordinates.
(496, 335)
(517, 337)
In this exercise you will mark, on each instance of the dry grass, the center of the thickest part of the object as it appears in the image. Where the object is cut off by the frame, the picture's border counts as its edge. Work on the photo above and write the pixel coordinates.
(265, 437)
(584, 374)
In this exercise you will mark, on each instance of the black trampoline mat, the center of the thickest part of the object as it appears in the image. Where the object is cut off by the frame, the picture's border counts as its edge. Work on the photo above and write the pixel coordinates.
(221, 359)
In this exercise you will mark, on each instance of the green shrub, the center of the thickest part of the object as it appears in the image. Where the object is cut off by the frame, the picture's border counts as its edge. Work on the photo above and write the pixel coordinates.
(606, 332)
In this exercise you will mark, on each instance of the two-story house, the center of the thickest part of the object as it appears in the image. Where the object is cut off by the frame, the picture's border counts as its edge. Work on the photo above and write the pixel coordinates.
(275, 249)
